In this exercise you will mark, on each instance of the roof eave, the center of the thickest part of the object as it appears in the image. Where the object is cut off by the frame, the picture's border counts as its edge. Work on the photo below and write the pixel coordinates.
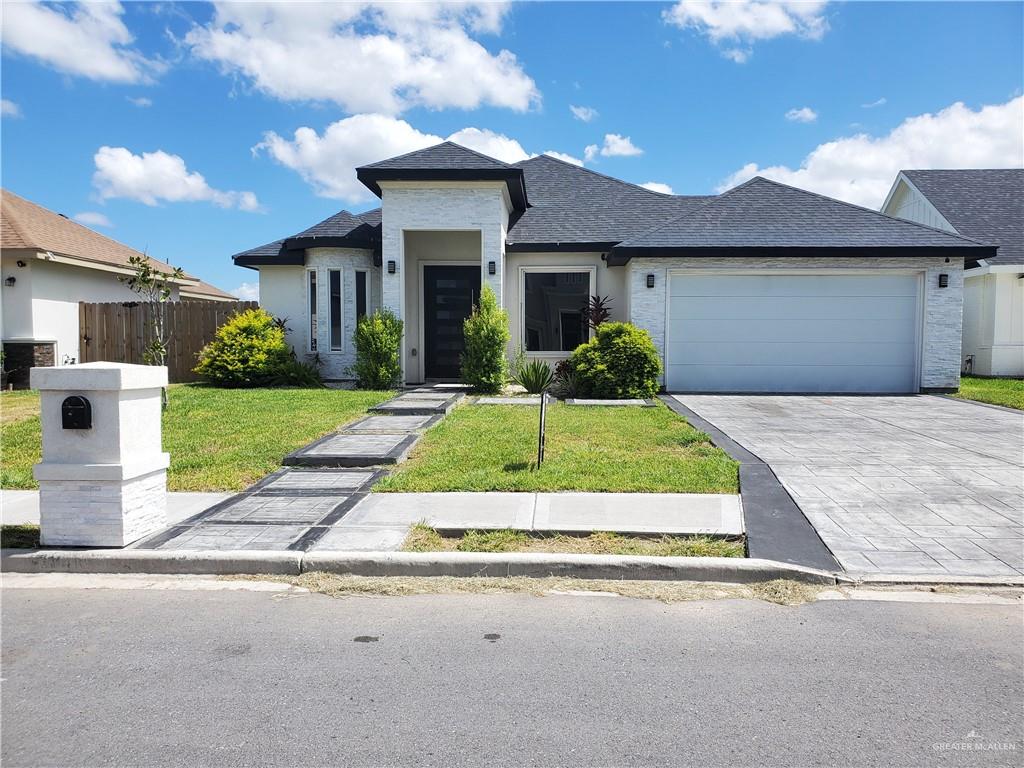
(622, 254)
(513, 178)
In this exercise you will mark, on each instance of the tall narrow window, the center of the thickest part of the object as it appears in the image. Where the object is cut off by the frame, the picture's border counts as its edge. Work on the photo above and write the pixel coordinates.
(361, 301)
(334, 281)
(312, 310)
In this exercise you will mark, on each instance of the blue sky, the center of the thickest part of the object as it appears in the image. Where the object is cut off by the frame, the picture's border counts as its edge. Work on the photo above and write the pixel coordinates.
(196, 107)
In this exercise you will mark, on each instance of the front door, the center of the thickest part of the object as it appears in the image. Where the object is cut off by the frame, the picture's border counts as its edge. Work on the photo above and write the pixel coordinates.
(449, 293)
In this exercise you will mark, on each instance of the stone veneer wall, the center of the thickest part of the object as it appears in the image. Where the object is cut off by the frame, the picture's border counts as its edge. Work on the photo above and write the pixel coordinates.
(940, 347)
(21, 357)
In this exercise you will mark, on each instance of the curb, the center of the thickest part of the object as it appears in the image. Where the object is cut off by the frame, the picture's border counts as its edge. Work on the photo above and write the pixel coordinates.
(631, 567)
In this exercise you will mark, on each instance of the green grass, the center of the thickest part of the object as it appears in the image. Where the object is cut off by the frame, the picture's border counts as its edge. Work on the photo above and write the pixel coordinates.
(24, 536)
(219, 439)
(423, 538)
(1006, 392)
(612, 449)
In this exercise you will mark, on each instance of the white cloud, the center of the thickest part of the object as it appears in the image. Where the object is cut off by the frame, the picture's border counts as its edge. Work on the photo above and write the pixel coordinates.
(155, 177)
(746, 21)
(614, 146)
(875, 103)
(381, 58)
(586, 114)
(87, 40)
(9, 109)
(327, 161)
(656, 186)
(861, 168)
(564, 157)
(140, 101)
(247, 292)
(92, 219)
(802, 115)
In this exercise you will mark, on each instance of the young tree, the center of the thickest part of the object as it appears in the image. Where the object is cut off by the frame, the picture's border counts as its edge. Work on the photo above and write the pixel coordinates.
(154, 287)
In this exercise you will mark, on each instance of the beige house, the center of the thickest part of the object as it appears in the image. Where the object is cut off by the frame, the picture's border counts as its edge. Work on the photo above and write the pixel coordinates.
(764, 288)
(48, 264)
(988, 206)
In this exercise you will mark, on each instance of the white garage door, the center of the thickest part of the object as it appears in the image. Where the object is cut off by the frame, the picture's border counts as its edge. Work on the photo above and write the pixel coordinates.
(792, 333)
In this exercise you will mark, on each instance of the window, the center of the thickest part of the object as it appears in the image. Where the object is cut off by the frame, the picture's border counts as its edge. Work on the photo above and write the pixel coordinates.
(312, 310)
(553, 309)
(334, 283)
(361, 297)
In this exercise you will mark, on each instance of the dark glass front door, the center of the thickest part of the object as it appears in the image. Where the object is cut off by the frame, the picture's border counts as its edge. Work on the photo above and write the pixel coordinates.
(449, 293)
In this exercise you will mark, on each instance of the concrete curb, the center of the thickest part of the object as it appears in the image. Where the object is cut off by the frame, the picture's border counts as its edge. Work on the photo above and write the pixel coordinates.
(721, 569)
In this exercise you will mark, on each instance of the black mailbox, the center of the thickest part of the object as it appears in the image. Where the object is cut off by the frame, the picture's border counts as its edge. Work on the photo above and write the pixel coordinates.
(76, 413)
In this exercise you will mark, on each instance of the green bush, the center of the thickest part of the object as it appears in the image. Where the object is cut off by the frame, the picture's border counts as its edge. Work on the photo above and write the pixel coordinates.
(249, 350)
(378, 341)
(533, 376)
(486, 333)
(619, 362)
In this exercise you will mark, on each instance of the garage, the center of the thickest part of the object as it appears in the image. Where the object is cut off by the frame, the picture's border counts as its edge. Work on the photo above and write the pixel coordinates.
(793, 332)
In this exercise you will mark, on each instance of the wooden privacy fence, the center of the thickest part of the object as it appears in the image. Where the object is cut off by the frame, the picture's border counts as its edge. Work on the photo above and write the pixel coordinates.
(119, 332)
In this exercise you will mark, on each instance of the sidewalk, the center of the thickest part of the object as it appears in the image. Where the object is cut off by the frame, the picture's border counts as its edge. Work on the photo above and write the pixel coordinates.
(20, 507)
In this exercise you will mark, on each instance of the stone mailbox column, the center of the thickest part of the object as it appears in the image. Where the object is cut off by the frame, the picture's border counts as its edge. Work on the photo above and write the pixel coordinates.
(103, 477)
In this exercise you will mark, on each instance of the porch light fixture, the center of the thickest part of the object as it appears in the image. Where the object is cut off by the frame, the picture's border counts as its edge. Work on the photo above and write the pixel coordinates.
(392, 267)
(650, 280)
(943, 280)
(492, 268)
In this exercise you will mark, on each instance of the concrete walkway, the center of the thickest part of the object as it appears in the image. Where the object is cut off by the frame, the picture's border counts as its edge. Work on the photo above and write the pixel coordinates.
(922, 485)
(20, 507)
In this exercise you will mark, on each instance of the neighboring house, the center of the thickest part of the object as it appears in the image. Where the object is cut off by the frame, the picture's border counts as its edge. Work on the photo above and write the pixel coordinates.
(765, 288)
(985, 205)
(48, 264)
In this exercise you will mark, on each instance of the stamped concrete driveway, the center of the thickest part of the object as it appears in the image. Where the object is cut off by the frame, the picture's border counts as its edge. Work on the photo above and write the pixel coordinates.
(921, 485)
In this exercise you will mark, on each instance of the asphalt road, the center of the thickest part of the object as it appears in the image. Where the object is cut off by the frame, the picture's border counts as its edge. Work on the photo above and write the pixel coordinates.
(185, 678)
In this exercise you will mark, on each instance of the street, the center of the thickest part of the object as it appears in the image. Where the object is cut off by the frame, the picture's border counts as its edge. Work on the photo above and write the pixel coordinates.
(238, 678)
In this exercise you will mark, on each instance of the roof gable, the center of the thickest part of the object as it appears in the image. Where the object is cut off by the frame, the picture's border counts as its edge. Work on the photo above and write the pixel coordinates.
(447, 154)
(983, 204)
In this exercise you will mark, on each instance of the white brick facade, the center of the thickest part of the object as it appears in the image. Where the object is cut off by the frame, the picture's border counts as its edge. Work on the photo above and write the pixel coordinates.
(940, 342)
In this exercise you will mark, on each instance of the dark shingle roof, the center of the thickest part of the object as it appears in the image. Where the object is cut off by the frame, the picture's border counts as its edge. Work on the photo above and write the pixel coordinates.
(766, 214)
(446, 161)
(570, 204)
(343, 229)
(983, 204)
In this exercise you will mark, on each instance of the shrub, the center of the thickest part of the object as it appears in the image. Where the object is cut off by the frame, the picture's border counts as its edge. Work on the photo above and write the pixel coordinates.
(534, 376)
(249, 350)
(564, 383)
(486, 333)
(378, 341)
(619, 362)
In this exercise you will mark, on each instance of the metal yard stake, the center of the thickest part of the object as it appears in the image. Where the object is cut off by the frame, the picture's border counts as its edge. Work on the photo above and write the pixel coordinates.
(540, 430)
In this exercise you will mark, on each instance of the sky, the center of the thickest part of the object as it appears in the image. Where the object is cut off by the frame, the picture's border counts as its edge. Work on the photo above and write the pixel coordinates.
(193, 131)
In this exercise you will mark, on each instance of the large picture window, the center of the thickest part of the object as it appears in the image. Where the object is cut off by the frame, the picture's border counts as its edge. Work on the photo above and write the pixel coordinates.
(553, 309)
(334, 283)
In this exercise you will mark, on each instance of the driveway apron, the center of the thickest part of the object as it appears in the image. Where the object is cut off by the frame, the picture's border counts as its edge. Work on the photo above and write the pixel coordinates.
(902, 485)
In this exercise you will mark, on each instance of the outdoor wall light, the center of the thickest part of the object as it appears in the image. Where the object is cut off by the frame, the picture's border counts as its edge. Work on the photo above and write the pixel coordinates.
(10, 280)
(943, 280)
(20, 263)
(650, 280)
(492, 268)
(392, 267)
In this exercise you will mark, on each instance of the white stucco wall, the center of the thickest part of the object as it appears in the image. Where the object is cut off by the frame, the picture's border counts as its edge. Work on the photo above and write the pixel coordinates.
(994, 323)
(940, 338)
(283, 294)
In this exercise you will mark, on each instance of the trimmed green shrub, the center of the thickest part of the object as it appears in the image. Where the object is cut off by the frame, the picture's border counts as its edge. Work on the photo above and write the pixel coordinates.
(563, 383)
(378, 341)
(533, 376)
(249, 350)
(485, 333)
(619, 362)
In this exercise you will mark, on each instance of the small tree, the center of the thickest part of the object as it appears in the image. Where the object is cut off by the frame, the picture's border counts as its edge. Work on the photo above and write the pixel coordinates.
(155, 287)
(378, 342)
(484, 365)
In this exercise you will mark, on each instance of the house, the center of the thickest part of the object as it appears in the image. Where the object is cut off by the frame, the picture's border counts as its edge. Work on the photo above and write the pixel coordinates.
(764, 288)
(985, 205)
(48, 264)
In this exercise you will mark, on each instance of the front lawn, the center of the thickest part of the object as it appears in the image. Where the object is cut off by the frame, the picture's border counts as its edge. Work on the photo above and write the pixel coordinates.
(219, 439)
(1005, 392)
(613, 449)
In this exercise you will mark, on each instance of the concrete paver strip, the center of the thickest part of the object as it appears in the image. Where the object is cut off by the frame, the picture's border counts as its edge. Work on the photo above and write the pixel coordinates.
(901, 485)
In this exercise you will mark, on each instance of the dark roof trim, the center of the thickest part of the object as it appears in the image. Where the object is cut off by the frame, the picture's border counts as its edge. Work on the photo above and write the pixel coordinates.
(330, 241)
(513, 178)
(620, 256)
(283, 258)
(559, 247)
